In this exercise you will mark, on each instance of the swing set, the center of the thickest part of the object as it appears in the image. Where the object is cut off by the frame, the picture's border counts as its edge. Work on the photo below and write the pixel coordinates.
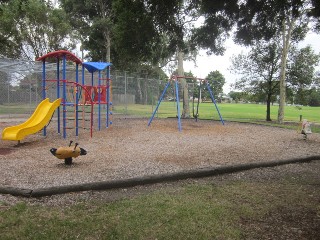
(175, 80)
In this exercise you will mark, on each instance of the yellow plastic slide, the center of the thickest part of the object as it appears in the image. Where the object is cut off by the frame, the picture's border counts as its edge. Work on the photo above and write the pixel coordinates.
(34, 124)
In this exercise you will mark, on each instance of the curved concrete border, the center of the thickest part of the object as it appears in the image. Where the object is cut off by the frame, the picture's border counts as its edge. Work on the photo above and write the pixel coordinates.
(152, 179)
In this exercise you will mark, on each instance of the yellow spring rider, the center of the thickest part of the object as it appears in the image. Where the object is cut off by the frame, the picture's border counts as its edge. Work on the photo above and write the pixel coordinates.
(67, 153)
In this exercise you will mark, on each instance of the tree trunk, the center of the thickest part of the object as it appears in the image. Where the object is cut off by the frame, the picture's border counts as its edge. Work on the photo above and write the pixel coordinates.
(286, 36)
(184, 87)
(145, 83)
(268, 116)
(107, 46)
(269, 95)
(106, 31)
(108, 49)
(139, 91)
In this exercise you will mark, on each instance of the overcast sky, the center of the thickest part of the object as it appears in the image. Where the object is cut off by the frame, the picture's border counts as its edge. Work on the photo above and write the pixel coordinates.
(206, 64)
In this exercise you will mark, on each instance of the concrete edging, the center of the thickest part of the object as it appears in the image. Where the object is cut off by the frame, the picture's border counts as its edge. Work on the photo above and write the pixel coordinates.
(150, 179)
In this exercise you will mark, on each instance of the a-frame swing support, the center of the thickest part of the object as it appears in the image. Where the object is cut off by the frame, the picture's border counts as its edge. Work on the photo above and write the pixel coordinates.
(177, 99)
(175, 79)
(214, 101)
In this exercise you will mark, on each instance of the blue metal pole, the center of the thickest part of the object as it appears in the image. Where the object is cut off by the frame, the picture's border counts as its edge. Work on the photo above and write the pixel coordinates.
(161, 97)
(43, 79)
(92, 90)
(214, 101)
(58, 92)
(77, 99)
(64, 98)
(83, 75)
(83, 92)
(92, 80)
(178, 104)
(44, 88)
(108, 96)
(99, 100)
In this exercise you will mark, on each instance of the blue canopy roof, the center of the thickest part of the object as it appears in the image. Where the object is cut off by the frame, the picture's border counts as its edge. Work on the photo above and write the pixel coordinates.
(96, 66)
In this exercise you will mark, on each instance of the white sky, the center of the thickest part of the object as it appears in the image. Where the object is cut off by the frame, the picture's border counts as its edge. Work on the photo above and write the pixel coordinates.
(206, 64)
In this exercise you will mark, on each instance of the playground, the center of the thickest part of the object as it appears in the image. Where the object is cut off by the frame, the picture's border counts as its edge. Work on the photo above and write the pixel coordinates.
(132, 149)
(77, 106)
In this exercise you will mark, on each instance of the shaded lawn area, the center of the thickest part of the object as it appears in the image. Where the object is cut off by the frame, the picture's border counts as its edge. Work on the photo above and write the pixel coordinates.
(256, 204)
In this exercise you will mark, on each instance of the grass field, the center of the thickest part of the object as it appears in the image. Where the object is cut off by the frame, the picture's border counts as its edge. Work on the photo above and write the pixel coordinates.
(16, 109)
(231, 112)
(230, 209)
(228, 111)
(251, 112)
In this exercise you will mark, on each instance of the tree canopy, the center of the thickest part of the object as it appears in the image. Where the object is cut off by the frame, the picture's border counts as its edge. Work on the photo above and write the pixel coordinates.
(216, 81)
(31, 28)
(265, 20)
(259, 71)
(260, 68)
(149, 33)
(301, 73)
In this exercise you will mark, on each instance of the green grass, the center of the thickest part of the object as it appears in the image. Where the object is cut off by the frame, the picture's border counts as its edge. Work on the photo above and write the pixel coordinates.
(230, 112)
(17, 109)
(252, 112)
(193, 211)
(242, 112)
(258, 112)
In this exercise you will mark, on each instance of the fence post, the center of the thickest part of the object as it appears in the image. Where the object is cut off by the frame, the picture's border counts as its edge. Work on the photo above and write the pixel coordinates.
(30, 96)
(125, 93)
(8, 92)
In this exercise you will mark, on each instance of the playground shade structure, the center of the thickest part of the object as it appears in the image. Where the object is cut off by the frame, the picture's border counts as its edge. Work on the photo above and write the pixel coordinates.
(35, 123)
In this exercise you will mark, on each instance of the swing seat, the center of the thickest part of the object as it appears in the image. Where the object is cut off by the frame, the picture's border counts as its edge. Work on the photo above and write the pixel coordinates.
(306, 131)
(305, 128)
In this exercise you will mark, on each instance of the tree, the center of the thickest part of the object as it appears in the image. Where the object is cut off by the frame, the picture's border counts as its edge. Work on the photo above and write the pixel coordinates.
(237, 96)
(301, 72)
(152, 32)
(93, 20)
(135, 38)
(314, 97)
(216, 81)
(265, 19)
(169, 20)
(219, 19)
(259, 70)
(176, 19)
(159, 31)
(182, 19)
(4, 83)
(132, 31)
(315, 13)
(136, 28)
(31, 28)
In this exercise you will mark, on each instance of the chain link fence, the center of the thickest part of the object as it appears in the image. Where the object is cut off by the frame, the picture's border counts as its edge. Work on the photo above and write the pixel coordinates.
(133, 94)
